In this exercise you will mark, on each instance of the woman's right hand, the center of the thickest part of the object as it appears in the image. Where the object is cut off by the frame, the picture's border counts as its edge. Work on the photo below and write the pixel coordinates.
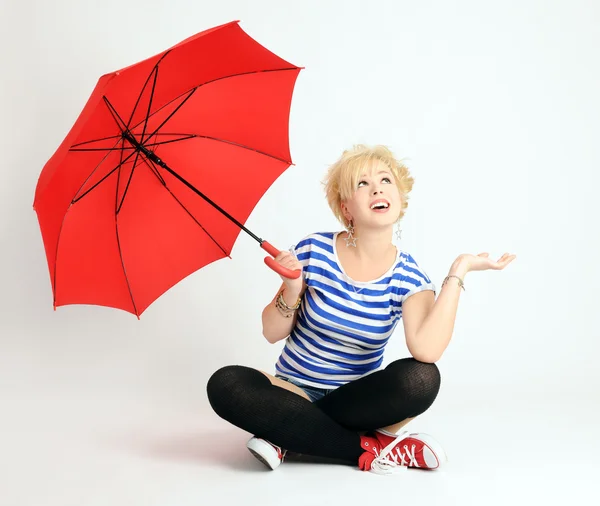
(286, 259)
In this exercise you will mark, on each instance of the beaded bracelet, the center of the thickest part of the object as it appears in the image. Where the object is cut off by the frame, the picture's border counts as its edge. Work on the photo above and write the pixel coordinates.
(281, 300)
(283, 308)
(283, 311)
(460, 281)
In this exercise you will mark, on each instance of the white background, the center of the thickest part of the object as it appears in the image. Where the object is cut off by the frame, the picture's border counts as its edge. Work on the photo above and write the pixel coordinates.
(493, 106)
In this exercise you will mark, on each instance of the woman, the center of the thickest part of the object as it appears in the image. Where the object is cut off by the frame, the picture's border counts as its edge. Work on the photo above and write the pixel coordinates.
(329, 397)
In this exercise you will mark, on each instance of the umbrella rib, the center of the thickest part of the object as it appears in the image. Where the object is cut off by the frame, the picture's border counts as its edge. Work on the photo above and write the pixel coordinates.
(73, 201)
(191, 92)
(103, 179)
(54, 277)
(118, 180)
(150, 163)
(111, 137)
(183, 138)
(217, 139)
(244, 147)
(83, 150)
(186, 137)
(155, 72)
(97, 140)
(115, 115)
(137, 102)
(123, 265)
(137, 157)
(117, 209)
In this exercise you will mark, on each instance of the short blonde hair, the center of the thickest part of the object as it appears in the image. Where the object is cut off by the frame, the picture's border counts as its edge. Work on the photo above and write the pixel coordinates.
(342, 177)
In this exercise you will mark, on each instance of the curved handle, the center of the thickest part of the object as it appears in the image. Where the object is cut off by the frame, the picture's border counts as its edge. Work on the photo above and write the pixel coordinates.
(278, 268)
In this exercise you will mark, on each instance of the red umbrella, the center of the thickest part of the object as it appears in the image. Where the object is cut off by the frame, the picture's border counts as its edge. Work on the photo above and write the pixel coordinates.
(134, 198)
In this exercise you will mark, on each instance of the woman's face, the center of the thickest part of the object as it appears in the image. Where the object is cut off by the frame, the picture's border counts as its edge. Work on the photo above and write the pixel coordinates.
(376, 200)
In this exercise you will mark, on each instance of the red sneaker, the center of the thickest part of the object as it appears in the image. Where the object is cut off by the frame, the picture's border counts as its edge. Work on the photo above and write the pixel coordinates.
(386, 454)
(269, 454)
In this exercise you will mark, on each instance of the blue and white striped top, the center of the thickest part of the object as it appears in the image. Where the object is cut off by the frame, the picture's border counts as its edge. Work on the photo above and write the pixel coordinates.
(343, 325)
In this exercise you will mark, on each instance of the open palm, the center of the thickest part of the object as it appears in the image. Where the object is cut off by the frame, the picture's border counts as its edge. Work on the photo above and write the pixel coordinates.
(482, 262)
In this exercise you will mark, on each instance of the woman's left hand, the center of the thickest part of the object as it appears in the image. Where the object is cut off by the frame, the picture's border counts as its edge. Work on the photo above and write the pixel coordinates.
(482, 262)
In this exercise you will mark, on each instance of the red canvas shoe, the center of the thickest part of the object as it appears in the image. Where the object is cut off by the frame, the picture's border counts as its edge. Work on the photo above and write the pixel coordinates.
(269, 454)
(386, 454)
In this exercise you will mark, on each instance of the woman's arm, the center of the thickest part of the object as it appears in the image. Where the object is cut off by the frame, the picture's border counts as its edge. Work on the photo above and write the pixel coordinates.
(275, 325)
(428, 325)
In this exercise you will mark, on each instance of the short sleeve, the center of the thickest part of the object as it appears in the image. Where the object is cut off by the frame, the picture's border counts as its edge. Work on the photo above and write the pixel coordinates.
(414, 278)
(301, 251)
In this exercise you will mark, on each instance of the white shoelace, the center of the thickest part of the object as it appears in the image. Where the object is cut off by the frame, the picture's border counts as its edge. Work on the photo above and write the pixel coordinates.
(389, 462)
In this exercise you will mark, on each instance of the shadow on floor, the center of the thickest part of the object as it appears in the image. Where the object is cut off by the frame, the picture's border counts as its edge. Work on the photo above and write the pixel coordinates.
(225, 448)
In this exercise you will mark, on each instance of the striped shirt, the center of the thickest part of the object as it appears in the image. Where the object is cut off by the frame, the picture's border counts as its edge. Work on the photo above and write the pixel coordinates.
(343, 325)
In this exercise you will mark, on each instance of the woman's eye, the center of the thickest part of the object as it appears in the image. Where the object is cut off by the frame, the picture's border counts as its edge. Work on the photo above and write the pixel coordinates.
(383, 180)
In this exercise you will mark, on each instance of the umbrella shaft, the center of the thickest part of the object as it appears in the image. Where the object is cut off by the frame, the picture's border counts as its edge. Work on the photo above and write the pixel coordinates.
(154, 158)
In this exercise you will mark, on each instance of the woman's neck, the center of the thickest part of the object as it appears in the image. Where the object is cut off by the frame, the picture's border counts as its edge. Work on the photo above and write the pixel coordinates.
(373, 245)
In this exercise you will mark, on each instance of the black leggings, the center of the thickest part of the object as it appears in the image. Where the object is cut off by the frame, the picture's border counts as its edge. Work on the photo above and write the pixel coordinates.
(331, 426)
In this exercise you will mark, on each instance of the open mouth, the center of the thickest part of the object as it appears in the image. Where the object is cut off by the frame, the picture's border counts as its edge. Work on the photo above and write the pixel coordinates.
(380, 205)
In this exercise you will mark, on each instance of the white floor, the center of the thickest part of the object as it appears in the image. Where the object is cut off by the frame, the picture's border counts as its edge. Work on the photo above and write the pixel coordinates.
(71, 444)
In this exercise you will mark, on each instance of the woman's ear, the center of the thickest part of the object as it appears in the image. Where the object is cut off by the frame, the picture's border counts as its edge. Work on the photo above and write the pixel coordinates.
(346, 213)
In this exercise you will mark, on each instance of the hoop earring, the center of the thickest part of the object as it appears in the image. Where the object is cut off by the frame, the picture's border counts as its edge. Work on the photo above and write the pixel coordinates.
(350, 240)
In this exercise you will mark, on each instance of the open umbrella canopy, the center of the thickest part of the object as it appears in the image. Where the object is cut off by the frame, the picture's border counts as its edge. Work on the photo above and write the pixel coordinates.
(165, 162)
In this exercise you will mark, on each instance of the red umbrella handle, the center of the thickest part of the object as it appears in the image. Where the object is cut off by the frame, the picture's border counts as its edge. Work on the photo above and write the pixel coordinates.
(278, 268)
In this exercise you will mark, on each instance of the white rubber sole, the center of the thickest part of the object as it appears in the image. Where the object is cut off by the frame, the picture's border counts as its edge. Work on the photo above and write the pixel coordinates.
(433, 453)
(264, 452)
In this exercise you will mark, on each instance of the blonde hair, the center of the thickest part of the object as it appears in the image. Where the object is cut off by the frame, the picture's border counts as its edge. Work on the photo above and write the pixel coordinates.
(342, 177)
